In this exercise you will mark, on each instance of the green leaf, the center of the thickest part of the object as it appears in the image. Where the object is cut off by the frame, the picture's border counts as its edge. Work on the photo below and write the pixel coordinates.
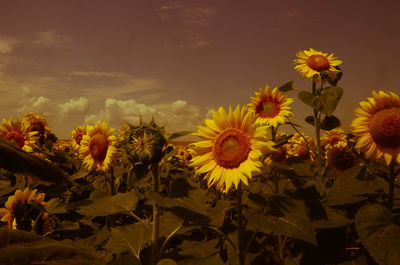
(348, 189)
(129, 238)
(329, 99)
(214, 260)
(336, 218)
(176, 135)
(330, 123)
(168, 223)
(309, 119)
(378, 234)
(198, 249)
(286, 87)
(120, 203)
(56, 206)
(309, 99)
(18, 161)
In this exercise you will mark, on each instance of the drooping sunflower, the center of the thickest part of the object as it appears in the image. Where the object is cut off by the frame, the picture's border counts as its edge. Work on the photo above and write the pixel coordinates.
(230, 148)
(76, 136)
(312, 62)
(35, 123)
(271, 107)
(334, 137)
(18, 208)
(339, 158)
(377, 127)
(17, 134)
(98, 147)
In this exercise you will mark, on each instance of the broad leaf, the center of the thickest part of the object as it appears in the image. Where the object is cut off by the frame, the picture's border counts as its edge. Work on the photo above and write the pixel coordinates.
(286, 87)
(329, 99)
(122, 203)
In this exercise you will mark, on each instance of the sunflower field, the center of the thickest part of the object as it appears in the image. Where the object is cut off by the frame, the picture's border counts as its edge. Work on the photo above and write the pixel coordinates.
(254, 189)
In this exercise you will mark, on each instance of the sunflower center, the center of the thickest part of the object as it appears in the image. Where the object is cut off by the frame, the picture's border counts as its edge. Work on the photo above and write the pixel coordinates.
(78, 139)
(15, 138)
(98, 147)
(37, 127)
(318, 62)
(231, 148)
(334, 140)
(385, 127)
(268, 109)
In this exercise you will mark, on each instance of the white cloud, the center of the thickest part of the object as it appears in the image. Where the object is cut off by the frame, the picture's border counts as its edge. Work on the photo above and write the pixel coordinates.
(7, 44)
(74, 106)
(189, 15)
(52, 38)
(91, 73)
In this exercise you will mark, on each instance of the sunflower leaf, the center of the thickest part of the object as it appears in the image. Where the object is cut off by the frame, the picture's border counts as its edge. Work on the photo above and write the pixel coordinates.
(286, 87)
(329, 99)
(330, 123)
(311, 100)
(176, 135)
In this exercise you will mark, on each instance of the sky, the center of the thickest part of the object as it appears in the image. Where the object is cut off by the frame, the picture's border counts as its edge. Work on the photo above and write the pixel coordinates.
(77, 62)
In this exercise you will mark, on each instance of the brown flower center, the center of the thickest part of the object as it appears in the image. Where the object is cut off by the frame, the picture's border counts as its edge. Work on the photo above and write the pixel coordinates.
(343, 159)
(279, 155)
(15, 138)
(98, 147)
(78, 139)
(37, 127)
(318, 62)
(334, 139)
(268, 108)
(231, 148)
(385, 127)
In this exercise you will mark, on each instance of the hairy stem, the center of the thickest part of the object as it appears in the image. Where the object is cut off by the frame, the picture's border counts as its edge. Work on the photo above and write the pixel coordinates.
(155, 248)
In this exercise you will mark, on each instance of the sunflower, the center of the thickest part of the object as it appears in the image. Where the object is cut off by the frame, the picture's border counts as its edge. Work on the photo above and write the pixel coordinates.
(339, 158)
(98, 147)
(334, 137)
(300, 146)
(18, 206)
(271, 107)
(17, 134)
(314, 62)
(280, 155)
(36, 123)
(231, 147)
(76, 136)
(122, 132)
(377, 127)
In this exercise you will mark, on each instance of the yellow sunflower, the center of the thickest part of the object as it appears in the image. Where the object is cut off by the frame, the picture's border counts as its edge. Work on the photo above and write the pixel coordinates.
(123, 131)
(231, 147)
(313, 62)
(36, 123)
(76, 136)
(17, 134)
(377, 127)
(98, 147)
(334, 137)
(300, 147)
(271, 107)
(16, 202)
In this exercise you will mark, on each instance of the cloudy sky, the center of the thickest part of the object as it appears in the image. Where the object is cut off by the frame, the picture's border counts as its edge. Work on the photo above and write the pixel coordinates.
(76, 62)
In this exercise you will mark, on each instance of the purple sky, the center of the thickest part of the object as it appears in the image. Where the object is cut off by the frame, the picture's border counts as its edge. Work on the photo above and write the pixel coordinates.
(75, 62)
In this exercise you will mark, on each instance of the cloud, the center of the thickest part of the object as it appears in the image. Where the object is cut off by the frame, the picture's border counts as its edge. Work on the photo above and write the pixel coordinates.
(52, 38)
(177, 116)
(74, 106)
(7, 44)
(293, 16)
(198, 16)
(105, 74)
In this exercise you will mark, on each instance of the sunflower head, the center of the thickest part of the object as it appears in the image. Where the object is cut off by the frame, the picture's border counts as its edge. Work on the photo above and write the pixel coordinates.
(339, 158)
(230, 148)
(334, 137)
(271, 106)
(377, 127)
(23, 209)
(17, 134)
(145, 142)
(300, 146)
(77, 136)
(312, 62)
(36, 123)
(98, 147)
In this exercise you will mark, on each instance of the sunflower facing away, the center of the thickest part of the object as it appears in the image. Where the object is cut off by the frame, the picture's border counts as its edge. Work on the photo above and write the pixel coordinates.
(16, 133)
(98, 147)
(377, 127)
(231, 147)
(271, 107)
(76, 136)
(339, 158)
(313, 62)
(17, 206)
(36, 123)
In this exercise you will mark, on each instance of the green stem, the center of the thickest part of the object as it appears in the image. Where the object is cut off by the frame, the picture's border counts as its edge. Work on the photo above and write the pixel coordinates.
(281, 246)
(392, 179)
(155, 248)
(317, 129)
(240, 227)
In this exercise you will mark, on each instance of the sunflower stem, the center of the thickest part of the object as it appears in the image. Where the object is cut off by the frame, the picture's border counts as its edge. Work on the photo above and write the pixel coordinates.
(240, 227)
(155, 248)
(392, 179)
(317, 129)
